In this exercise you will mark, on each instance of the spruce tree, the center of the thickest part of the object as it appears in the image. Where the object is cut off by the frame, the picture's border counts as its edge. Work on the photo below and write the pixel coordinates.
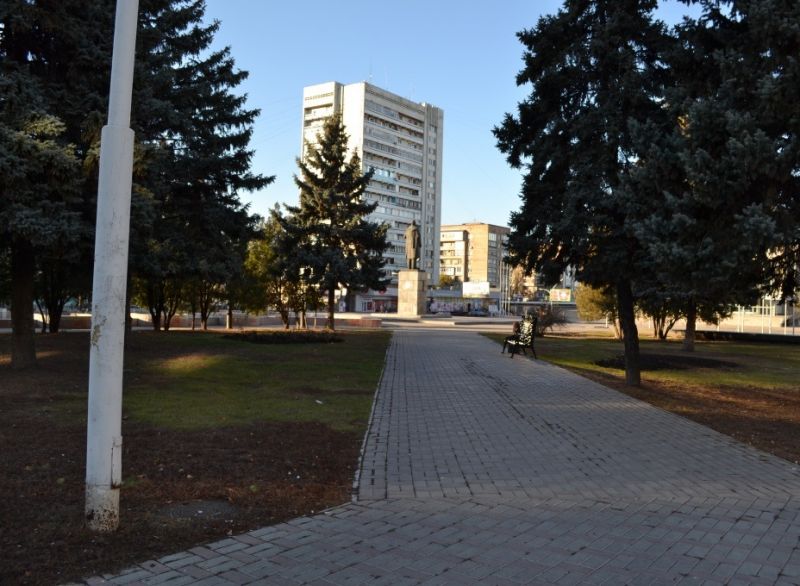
(195, 133)
(594, 68)
(39, 170)
(337, 245)
(725, 174)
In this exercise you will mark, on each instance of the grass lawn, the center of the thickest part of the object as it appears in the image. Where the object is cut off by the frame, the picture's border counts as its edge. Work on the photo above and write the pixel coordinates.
(750, 391)
(220, 435)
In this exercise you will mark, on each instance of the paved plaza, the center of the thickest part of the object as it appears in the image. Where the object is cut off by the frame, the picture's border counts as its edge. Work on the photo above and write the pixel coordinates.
(480, 469)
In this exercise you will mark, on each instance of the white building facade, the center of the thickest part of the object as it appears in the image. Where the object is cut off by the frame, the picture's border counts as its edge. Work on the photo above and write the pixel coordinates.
(401, 141)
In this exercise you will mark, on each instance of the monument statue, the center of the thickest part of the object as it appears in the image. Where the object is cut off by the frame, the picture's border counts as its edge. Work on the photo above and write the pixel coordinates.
(412, 246)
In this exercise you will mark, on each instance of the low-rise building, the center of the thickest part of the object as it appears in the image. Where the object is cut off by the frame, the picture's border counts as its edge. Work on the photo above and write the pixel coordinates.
(473, 253)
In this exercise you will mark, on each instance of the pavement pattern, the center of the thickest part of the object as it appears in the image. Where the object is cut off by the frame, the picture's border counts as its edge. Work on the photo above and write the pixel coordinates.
(480, 469)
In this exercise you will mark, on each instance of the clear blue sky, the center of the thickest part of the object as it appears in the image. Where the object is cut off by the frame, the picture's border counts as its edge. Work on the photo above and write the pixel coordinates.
(460, 56)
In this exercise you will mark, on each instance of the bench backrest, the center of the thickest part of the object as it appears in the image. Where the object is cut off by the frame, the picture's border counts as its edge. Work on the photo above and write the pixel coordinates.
(527, 329)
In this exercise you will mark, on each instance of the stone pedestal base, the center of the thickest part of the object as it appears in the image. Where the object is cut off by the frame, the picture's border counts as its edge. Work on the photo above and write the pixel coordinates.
(412, 289)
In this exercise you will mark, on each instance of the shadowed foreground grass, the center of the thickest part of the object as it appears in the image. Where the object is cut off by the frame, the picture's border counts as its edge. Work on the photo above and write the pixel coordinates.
(220, 436)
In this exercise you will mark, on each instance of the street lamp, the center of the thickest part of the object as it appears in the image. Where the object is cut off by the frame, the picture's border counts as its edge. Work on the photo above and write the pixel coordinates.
(104, 423)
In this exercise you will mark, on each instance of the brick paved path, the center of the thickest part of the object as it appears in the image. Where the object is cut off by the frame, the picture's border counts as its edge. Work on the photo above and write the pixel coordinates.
(482, 469)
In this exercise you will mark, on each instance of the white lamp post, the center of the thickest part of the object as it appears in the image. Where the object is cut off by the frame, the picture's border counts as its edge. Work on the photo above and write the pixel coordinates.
(104, 435)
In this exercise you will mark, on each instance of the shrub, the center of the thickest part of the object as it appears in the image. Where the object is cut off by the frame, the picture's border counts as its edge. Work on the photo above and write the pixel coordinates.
(286, 337)
(548, 317)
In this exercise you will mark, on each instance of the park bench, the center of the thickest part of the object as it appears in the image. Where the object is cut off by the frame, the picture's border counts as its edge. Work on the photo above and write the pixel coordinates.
(522, 338)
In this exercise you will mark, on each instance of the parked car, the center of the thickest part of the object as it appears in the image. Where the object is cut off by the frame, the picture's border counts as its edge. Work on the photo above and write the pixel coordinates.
(479, 312)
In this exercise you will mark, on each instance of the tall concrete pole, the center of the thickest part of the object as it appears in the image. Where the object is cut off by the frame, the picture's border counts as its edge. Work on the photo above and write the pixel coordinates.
(104, 427)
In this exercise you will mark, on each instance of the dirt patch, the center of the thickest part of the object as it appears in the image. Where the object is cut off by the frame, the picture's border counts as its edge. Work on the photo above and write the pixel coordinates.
(241, 478)
(200, 509)
(667, 362)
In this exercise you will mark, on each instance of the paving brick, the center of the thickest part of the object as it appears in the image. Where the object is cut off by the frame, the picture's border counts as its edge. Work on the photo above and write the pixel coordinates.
(481, 469)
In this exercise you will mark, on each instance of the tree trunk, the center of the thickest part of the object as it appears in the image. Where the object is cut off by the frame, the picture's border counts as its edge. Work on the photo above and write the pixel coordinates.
(193, 308)
(155, 304)
(54, 294)
(330, 325)
(23, 349)
(54, 314)
(630, 334)
(42, 309)
(658, 326)
(128, 318)
(284, 313)
(229, 321)
(172, 302)
(691, 325)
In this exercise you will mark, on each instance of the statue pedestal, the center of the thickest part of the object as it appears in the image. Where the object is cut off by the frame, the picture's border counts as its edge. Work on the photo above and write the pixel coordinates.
(412, 289)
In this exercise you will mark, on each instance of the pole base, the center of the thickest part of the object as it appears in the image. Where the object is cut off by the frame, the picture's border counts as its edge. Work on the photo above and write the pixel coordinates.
(102, 508)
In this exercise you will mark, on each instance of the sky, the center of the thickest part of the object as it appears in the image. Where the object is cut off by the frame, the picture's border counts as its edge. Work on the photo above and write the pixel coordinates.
(460, 56)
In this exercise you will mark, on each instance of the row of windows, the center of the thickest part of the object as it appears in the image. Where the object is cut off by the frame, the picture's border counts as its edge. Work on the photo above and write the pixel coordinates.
(372, 120)
(380, 159)
(392, 211)
(409, 167)
(393, 199)
(412, 121)
(408, 191)
(409, 144)
(381, 109)
(369, 131)
(318, 112)
(393, 114)
(392, 150)
(381, 173)
(408, 179)
(378, 184)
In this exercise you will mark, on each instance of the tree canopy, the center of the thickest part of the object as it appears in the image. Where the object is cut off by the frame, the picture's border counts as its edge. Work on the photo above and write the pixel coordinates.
(662, 163)
(334, 243)
(594, 68)
(192, 158)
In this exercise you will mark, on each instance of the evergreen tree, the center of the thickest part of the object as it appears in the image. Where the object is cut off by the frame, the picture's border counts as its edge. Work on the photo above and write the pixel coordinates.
(595, 68)
(47, 71)
(191, 156)
(725, 173)
(337, 246)
(195, 134)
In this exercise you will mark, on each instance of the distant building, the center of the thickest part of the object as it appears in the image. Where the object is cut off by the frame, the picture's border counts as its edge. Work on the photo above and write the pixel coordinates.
(473, 252)
(402, 141)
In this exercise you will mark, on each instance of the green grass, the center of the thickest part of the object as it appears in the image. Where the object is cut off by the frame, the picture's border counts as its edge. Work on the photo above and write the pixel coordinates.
(762, 366)
(202, 380)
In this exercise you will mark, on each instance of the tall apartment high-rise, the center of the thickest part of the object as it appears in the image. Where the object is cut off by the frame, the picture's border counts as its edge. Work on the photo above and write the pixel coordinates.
(401, 141)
